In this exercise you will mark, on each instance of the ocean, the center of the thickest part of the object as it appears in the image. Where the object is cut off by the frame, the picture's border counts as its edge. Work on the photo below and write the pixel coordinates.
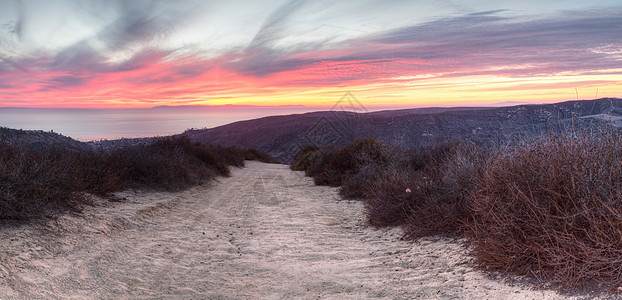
(97, 124)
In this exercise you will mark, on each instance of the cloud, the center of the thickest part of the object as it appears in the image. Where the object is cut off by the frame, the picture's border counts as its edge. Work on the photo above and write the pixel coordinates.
(472, 44)
(562, 42)
(140, 22)
(18, 25)
(544, 86)
(7, 64)
(80, 57)
(62, 83)
(13, 28)
(125, 60)
(273, 26)
(261, 57)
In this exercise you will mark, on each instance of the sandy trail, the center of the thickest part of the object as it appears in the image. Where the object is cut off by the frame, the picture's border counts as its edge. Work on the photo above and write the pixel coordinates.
(264, 233)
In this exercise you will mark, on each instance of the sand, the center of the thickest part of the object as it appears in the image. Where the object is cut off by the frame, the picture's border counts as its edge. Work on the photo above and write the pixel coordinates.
(263, 233)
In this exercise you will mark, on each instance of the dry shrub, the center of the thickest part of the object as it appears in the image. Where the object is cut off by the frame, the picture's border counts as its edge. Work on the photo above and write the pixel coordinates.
(553, 209)
(438, 178)
(432, 155)
(39, 182)
(254, 154)
(302, 159)
(439, 202)
(549, 208)
(94, 172)
(329, 176)
(351, 166)
(387, 203)
(222, 156)
(170, 164)
(360, 152)
(345, 162)
(318, 161)
(32, 182)
(357, 184)
(426, 192)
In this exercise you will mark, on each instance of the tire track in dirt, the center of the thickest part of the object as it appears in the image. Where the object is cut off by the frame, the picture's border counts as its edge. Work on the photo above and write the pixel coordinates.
(263, 233)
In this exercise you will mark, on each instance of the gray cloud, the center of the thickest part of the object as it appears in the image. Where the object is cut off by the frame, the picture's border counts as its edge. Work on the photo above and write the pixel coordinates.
(65, 81)
(136, 24)
(260, 56)
(470, 44)
(141, 21)
(4, 84)
(7, 64)
(18, 26)
(139, 60)
(272, 28)
(458, 46)
(62, 83)
(80, 56)
(563, 43)
(12, 31)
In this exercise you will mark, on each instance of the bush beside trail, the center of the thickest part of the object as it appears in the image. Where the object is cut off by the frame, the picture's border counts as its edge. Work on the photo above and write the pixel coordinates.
(428, 192)
(549, 208)
(39, 182)
(424, 190)
(553, 209)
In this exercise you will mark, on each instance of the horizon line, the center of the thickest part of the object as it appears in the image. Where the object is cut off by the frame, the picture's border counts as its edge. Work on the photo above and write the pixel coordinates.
(300, 106)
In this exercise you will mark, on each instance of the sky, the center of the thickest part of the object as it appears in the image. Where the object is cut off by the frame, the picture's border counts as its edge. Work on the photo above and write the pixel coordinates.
(389, 53)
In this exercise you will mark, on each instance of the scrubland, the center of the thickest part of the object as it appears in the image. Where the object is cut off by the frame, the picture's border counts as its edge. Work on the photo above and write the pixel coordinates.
(549, 208)
(46, 180)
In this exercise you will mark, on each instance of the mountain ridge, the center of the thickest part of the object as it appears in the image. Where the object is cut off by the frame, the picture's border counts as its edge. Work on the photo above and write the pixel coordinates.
(283, 136)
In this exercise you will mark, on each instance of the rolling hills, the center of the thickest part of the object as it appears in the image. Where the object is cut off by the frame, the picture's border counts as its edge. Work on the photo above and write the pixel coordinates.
(283, 136)
(35, 139)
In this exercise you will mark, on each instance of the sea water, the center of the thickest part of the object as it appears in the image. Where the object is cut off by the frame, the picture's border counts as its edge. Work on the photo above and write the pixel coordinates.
(96, 124)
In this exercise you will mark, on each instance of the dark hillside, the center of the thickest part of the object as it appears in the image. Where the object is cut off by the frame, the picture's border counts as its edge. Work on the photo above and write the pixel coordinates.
(283, 136)
(35, 139)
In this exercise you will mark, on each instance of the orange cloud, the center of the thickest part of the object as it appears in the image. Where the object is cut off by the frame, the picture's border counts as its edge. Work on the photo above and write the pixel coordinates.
(471, 59)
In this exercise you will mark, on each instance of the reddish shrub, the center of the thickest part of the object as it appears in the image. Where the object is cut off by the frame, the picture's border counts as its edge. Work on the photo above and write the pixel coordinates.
(428, 200)
(553, 209)
(387, 201)
(36, 182)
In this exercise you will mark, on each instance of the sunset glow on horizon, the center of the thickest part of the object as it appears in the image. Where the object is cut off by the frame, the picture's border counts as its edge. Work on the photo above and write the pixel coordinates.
(138, 54)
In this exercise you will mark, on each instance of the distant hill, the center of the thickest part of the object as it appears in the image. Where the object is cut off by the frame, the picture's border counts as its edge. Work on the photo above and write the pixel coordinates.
(35, 139)
(283, 136)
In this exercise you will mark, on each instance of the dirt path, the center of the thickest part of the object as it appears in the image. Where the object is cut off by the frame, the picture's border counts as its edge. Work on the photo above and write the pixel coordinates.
(264, 233)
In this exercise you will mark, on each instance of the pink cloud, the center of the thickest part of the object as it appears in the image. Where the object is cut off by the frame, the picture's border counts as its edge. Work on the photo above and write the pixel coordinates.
(477, 44)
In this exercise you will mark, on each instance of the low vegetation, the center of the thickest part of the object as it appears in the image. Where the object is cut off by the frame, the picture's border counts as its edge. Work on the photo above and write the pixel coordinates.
(41, 181)
(550, 208)
(424, 190)
(553, 209)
